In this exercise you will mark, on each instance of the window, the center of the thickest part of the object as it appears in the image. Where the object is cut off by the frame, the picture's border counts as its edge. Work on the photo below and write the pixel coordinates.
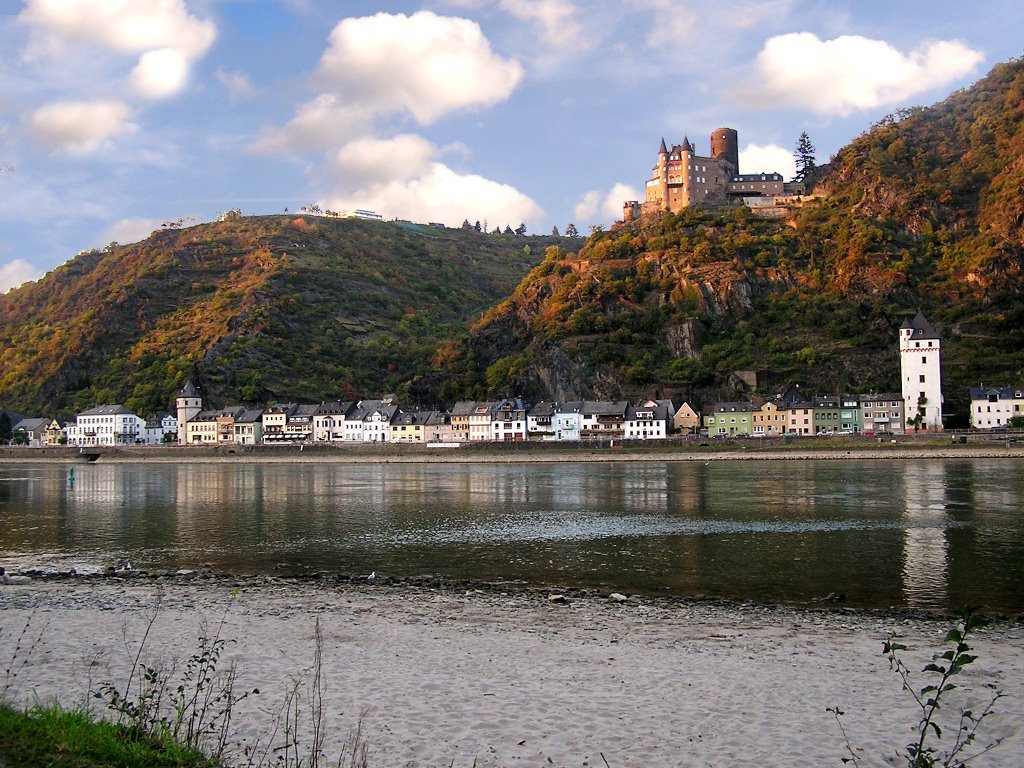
(924, 359)
(921, 378)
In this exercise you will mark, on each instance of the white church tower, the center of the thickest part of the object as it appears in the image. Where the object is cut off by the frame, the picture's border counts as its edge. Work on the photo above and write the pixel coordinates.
(190, 403)
(921, 375)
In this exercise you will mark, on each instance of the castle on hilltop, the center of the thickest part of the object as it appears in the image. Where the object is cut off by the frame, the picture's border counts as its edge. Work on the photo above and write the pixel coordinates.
(682, 178)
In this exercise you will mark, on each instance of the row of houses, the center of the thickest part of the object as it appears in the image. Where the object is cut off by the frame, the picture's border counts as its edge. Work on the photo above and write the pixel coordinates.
(506, 420)
(384, 421)
(103, 425)
(793, 415)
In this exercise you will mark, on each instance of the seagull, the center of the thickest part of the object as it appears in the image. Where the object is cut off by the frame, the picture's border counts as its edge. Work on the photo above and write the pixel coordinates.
(372, 576)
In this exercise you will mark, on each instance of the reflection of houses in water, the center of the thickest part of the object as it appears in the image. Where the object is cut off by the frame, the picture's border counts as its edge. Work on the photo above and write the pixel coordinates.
(925, 545)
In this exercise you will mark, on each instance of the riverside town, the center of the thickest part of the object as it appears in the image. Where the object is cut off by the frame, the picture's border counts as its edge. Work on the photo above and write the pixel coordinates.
(918, 407)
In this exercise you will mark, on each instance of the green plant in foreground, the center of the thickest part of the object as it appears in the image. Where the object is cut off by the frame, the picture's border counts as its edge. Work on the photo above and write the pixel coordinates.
(924, 751)
(196, 713)
(51, 735)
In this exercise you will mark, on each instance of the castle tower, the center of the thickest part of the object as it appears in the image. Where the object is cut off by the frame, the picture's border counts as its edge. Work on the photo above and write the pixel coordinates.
(921, 374)
(663, 174)
(189, 403)
(725, 146)
(686, 164)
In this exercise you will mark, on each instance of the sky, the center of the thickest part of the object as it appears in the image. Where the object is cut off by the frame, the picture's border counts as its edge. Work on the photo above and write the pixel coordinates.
(119, 116)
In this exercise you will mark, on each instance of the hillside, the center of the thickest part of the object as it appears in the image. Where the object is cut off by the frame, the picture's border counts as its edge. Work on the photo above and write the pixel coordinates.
(266, 308)
(922, 212)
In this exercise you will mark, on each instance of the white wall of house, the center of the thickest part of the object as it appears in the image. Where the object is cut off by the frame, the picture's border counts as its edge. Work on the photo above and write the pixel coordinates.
(567, 426)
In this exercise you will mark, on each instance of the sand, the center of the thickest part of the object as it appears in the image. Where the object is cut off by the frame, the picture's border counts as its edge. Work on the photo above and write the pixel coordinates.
(488, 679)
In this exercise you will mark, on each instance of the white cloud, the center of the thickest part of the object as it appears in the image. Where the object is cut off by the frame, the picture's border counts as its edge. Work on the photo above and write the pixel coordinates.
(852, 73)
(321, 123)
(595, 209)
(14, 273)
(768, 159)
(128, 26)
(79, 127)
(424, 64)
(168, 39)
(238, 85)
(674, 23)
(126, 231)
(556, 19)
(441, 194)
(160, 73)
(373, 160)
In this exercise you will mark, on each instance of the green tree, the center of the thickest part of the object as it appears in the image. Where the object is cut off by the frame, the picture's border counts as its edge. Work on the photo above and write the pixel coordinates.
(918, 417)
(804, 156)
(5, 428)
(571, 231)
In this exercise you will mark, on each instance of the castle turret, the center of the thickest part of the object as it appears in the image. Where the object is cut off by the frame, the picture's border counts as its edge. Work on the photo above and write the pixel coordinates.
(725, 146)
(189, 403)
(921, 374)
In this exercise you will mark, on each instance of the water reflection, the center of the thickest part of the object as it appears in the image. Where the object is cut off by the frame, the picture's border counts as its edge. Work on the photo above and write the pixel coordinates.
(925, 547)
(921, 534)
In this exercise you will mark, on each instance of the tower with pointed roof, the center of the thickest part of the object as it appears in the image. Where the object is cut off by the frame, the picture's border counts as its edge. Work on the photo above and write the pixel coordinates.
(189, 403)
(921, 374)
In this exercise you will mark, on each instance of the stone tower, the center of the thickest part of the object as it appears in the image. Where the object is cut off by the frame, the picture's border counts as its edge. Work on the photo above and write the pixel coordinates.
(725, 145)
(921, 374)
(190, 403)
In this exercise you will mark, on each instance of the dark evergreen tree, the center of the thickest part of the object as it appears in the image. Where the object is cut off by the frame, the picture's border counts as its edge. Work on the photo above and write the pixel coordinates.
(477, 227)
(521, 229)
(554, 231)
(571, 231)
(5, 428)
(804, 156)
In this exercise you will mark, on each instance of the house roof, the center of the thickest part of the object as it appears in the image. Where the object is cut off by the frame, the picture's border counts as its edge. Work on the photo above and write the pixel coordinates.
(604, 407)
(335, 408)
(1003, 393)
(249, 416)
(107, 410)
(189, 390)
(739, 406)
(463, 407)
(922, 329)
(660, 412)
(543, 408)
(32, 425)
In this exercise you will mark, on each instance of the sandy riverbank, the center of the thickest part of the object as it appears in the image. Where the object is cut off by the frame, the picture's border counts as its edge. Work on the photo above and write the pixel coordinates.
(454, 678)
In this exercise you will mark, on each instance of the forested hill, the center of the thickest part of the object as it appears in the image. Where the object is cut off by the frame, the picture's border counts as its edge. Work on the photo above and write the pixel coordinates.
(924, 211)
(267, 307)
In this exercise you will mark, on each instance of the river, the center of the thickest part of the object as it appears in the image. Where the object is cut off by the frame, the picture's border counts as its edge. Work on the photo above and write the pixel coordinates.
(906, 533)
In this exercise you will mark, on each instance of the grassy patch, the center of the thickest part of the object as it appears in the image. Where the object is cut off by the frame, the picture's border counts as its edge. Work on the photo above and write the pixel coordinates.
(52, 736)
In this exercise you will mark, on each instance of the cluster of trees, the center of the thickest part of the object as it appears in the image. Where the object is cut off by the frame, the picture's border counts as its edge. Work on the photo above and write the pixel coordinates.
(570, 230)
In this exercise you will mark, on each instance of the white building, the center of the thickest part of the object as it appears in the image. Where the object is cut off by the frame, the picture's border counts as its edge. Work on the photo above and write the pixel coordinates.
(994, 406)
(508, 421)
(329, 422)
(108, 425)
(920, 372)
(567, 421)
(158, 426)
(647, 421)
(189, 403)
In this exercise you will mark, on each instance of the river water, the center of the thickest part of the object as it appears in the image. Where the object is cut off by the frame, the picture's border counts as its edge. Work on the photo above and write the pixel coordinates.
(929, 534)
